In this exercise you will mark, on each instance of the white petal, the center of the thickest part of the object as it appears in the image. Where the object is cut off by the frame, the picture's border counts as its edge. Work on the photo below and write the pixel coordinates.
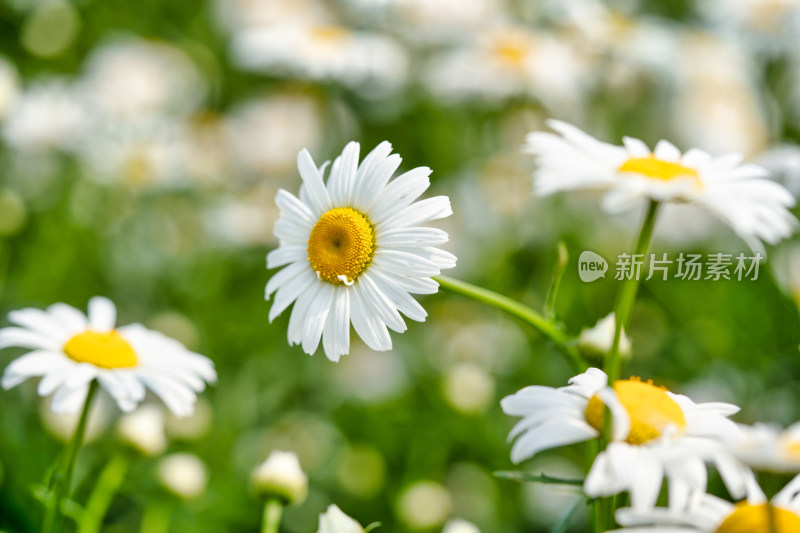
(368, 326)
(419, 212)
(336, 336)
(102, 314)
(23, 338)
(313, 188)
(316, 317)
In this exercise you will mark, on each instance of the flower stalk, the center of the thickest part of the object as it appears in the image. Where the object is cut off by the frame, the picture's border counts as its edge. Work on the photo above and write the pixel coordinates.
(530, 316)
(273, 510)
(62, 478)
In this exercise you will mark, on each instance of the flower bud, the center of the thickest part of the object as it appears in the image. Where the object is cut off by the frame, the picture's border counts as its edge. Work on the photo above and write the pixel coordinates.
(335, 521)
(144, 430)
(595, 343)
(183, 474)
(281, 477)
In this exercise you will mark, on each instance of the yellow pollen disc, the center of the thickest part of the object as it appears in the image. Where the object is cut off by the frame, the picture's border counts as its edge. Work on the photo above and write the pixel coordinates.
(106, 350)
(341, 244)
(649, 408)
(658, 169)
(748, 518)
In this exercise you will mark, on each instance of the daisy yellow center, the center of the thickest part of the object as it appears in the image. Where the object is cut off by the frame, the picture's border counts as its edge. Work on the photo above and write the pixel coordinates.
(649, 408)
(106, 350)
(512, 50)
(658, 169)
(329, 33)
(342, 243)
(747, 518)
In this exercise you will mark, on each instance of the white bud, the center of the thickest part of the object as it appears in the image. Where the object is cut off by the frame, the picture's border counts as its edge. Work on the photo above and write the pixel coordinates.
(595, 343)
(144, 430)
(281, 477)
(335, 521)
(460, 526)
(184, 474)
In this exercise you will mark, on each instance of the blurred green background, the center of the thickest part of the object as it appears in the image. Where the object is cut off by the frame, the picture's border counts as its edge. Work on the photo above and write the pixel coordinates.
(142, 144)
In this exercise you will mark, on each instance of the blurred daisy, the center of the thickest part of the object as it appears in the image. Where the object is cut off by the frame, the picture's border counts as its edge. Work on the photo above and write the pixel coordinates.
(655, 433)
(49, 115)
(135, 79)
(324, 52)
(754, 207)
(335, 521)
(352, 250)
(509, 61)
(767, 447)
(70, 350)
(709, 514)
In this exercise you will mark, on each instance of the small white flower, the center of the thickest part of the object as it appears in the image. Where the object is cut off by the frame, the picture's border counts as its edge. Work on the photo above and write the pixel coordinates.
(281, 476)
(709, 514)
(144, 430)
(70, 350)
(353, 251)
(739, 194)
(335, 521)
(183, 474)
(655, 434)
(596, 342)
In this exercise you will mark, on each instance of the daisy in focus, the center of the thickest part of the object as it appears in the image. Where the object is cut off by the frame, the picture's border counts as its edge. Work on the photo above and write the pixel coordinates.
(709, 514)
(70, 350)
(655, 434)
(353, 251)
(756, 208)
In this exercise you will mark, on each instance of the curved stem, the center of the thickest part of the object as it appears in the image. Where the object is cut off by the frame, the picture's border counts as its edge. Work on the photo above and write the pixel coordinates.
(62, 479)
(521, 311)
(627, 294)
(273, 509)
(108, 483)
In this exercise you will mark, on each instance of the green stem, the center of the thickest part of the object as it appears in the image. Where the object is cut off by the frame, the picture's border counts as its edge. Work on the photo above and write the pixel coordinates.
(521, 311)
(62, 479)
(108, 483)
(156, 518)
(273, 509)
(627, 294)
(558, 273)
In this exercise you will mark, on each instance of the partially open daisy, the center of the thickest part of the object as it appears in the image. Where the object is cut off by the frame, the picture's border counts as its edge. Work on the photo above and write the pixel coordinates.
(655, 433)
(70, 350)
(754, 207)
(352, 250)
(709, 514)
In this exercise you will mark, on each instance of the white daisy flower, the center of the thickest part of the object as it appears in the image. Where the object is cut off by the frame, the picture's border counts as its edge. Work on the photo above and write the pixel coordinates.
(352, 250)
(370, 62)
(655, 434)
(754, 207)
(768, 447)
(335, 521)
(709, 514)
(70, 350)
